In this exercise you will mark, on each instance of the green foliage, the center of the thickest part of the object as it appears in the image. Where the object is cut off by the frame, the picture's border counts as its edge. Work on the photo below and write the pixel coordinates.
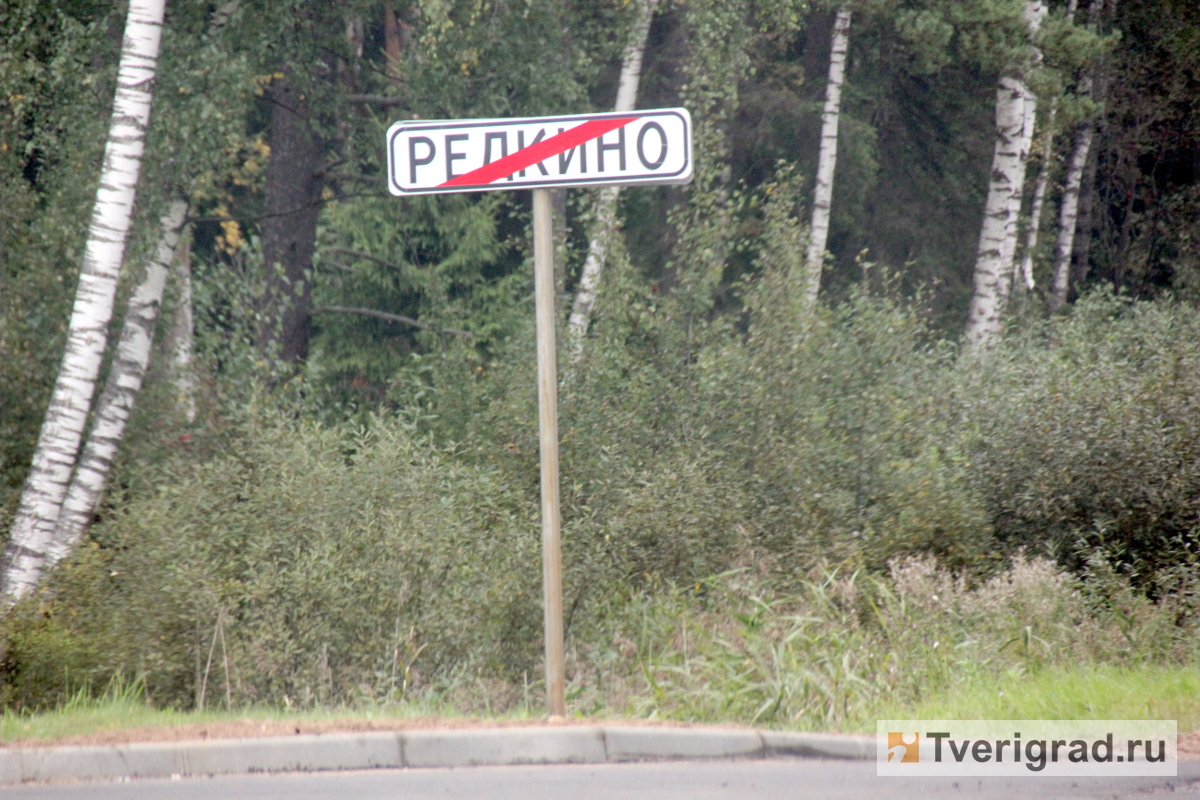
(1090, 440)
(316, 565)
(276, 553)
(847, 648)
(432, 259)
(330, 563)
(56, 80)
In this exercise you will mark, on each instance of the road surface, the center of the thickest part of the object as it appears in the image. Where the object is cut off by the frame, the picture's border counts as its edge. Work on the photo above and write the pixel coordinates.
(745, 780)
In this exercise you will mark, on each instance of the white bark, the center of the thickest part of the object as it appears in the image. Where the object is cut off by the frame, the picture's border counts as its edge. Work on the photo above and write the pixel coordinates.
(120, 393)
(182, 331)
(1068, 214)
(827, 157)
(997, 238)
(1011, 230)
(1043, 180)
(1039, 198)
(983, 319)
(605, 222)
(62, 429)
(1068, 211)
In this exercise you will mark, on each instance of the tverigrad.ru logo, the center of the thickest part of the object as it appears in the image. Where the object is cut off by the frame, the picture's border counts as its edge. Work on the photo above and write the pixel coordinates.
(1026, 747)
(904, 747)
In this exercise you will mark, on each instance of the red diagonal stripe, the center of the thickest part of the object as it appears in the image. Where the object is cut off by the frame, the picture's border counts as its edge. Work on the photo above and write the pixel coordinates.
(547, 148)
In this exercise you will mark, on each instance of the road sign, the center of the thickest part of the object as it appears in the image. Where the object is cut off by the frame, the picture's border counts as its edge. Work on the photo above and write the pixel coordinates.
(541, 153)
(640, 147)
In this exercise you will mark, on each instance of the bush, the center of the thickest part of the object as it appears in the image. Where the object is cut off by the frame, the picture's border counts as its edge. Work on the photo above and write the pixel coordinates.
(1084, 433)
(328, 563)
(844, 648)
(309, 565)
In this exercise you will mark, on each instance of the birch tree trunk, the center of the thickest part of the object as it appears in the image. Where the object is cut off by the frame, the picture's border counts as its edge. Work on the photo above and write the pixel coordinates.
(827, 158)
(1043, 179)
(120, 393)
(1012, 229)
(605, 222)
(62, 429)
(1068, 211)
(997, 238)
(1039, 199)
(182, 330)
(1068, 215)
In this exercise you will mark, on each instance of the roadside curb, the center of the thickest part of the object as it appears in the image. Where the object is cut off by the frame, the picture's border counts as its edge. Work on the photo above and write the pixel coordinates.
(599, 744)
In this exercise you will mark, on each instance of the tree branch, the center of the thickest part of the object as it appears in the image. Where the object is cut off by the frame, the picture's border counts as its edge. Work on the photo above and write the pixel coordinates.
(376, 99)
(365, 256)
(386, 317)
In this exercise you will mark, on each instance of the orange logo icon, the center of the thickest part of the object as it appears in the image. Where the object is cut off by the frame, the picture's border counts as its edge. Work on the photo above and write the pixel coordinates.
(904, 747)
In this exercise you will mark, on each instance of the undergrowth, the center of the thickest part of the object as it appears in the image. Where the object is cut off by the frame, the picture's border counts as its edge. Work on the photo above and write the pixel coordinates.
(885, 520)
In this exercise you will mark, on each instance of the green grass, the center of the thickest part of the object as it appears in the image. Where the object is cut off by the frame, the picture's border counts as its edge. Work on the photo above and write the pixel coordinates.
(1089, 692)
(123, 706)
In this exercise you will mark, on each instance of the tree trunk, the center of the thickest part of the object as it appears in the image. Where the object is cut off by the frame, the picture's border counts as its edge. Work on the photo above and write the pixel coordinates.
(1068, 215)
(605, 223)
(1039, 198)
(397, 37)
(289, 230)
(1081, 257)
(87, 334)
(558, 204)
(182, 331)
(1012, 229)
(1068, 212)
(1007, 176)
(120, 393)
(1043, 178)
(827, 159)
(997, 238)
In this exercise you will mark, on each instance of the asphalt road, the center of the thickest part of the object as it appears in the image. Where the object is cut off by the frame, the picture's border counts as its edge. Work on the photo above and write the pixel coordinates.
(748, 780)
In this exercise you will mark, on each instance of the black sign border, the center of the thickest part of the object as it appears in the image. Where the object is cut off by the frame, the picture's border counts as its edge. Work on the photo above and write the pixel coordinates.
(409, 126)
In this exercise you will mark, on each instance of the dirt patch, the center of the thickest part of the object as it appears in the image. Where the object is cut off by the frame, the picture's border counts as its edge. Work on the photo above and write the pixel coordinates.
(254, 728)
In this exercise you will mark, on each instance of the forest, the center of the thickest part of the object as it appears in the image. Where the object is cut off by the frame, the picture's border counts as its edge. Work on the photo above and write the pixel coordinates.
(901, 392)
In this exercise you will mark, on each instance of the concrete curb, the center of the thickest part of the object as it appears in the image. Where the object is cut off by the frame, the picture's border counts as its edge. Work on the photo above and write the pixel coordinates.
(430, 748)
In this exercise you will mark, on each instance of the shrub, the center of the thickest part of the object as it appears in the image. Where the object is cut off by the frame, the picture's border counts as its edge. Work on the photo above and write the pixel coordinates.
(310, 565)
(1084, 433)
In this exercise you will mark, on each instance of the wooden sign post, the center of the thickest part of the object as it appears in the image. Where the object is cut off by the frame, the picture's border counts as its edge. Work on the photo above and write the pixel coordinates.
(540, 153)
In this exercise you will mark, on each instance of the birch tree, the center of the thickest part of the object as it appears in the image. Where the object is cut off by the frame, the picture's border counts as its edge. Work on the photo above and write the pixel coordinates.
(120, 393)
(182, 331)
(997, 239)
(605, 222)
(827, 158)
(1039, 199)
(1043, 179)
(1012, 226)
(62, 429)
(1068, 210)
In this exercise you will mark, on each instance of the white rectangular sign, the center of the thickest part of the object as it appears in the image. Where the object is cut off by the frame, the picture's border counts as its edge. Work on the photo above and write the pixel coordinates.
(639, 147)
(1024, 747)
